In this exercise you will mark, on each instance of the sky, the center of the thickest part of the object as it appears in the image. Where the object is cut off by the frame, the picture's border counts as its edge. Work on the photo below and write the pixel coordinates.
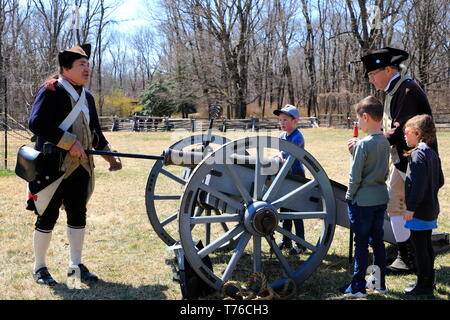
(130, 13)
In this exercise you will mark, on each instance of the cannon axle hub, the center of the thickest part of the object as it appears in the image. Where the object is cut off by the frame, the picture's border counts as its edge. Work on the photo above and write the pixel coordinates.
(260, 218)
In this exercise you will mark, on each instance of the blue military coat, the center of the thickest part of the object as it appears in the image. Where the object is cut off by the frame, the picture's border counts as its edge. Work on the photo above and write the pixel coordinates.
(48, 111)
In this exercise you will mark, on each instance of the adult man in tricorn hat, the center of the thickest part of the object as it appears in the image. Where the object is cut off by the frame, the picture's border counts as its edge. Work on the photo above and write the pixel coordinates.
(404, 99)
(64, 115)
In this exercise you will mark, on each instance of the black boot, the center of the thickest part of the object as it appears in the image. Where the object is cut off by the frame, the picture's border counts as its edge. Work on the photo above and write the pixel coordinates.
(404, 263)
(424, 287)
(433, 281)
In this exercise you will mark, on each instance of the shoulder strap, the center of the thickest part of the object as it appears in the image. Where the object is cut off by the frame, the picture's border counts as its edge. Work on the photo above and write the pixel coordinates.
(387, 102)
(80, 106)
(398, 84)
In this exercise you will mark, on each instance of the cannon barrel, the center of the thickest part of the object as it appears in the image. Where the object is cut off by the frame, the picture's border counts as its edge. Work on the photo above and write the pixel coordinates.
(182, 158)
(270, 165)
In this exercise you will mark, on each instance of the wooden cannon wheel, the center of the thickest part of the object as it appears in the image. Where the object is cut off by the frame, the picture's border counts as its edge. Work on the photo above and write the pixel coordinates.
(157, 201)
(252, 213)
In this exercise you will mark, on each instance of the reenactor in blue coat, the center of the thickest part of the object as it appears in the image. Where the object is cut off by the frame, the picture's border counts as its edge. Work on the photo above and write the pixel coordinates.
(64, 115)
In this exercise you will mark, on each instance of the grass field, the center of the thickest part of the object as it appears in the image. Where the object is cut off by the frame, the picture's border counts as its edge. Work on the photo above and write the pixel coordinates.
(122, 248)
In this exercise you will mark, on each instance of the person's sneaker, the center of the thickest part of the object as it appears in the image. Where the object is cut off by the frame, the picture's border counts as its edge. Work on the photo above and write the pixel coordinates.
(296, 250)
(86, 276)
(354, 294)
(376, 290)
(42, 276)
(284, 245)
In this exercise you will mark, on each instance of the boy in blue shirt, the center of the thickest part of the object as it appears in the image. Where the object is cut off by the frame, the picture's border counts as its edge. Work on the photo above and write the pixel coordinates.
(288, 119)
(367, 195)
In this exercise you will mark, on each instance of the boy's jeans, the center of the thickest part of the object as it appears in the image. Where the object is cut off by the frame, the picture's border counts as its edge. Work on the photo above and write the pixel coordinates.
(367, 225)
(299, 229)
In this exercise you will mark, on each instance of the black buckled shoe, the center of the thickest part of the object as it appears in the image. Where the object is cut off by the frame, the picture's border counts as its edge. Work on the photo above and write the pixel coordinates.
(42, 276)
(86, 276)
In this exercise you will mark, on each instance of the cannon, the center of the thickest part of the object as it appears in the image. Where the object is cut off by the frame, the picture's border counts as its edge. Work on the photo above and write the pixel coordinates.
(231, 196)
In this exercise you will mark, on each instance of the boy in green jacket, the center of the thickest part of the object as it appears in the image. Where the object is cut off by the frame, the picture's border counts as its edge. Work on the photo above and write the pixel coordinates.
(367, 194)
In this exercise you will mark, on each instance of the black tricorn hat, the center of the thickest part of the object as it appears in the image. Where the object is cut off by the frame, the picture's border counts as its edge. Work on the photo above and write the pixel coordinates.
(382, 58)
(66, 57)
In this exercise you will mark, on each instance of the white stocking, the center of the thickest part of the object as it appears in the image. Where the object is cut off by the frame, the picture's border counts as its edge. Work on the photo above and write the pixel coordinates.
(41, 242)
(76, 240)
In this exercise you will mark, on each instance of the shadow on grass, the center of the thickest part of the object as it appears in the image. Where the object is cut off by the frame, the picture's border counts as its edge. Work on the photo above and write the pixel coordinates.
(332, 274)
(441, 292)
(443, 279)
(336, 272)
(102, 290)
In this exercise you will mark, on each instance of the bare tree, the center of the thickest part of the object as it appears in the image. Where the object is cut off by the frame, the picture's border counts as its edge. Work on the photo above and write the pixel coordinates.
(143, 42)
(310, 61)
(53, 14)
(231, 23)
(286, 12)
(429, 15)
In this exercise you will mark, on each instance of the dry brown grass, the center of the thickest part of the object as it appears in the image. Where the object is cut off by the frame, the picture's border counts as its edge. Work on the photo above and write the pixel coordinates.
(122, 248)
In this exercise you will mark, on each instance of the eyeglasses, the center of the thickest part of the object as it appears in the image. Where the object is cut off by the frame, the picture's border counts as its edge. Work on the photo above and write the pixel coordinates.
(371, 75)
(408, 131)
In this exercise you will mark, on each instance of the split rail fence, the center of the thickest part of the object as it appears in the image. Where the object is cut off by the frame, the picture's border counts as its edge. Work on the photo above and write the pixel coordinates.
(148, 124)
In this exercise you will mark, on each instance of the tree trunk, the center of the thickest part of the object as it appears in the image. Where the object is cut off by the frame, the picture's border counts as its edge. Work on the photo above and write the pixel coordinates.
(310, 63)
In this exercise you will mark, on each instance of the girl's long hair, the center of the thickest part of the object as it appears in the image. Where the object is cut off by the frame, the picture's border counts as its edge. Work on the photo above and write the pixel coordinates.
(423, 124)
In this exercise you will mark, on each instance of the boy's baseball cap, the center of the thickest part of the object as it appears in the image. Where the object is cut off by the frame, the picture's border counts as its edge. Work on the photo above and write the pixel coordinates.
(288, 109)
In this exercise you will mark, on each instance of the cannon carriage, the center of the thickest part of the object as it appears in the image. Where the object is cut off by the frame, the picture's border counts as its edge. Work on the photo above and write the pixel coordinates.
(232, 199)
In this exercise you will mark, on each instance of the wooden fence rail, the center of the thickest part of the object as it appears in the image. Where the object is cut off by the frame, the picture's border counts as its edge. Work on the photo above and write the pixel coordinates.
(148, 124)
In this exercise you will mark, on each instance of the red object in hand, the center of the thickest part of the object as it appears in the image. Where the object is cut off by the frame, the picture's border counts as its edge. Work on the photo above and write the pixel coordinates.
(355, 130)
